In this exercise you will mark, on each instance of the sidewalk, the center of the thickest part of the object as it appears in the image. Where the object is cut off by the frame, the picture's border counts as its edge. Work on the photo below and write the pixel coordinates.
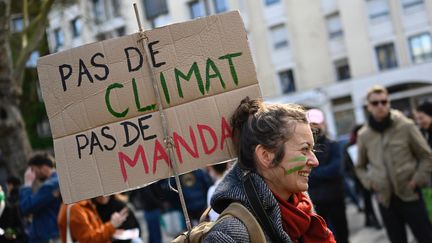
(360, 234)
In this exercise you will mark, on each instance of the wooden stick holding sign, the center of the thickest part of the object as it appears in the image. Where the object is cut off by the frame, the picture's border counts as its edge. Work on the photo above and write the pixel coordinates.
(168, 141)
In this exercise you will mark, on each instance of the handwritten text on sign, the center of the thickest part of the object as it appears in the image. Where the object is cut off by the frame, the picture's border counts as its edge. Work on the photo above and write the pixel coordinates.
(104, 115)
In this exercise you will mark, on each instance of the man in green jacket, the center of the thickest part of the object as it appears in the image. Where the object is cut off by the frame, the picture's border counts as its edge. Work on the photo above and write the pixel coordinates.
(394, 161)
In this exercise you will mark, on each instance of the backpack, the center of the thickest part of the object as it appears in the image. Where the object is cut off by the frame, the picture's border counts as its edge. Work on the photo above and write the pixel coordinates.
(235, 209)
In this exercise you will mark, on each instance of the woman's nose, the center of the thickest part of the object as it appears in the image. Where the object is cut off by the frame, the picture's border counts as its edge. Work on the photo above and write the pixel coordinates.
(312, 161)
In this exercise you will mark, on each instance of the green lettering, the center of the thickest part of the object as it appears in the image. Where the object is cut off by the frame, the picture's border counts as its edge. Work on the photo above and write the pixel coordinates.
(216, 74)
(165, 88)
(135, 90)
(151, 107)
(137, 101)
(194, 69)
(108, 104)
(231, 65)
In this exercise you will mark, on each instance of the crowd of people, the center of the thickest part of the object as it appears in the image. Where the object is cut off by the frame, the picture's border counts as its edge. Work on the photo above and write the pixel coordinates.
(34, 212)
(294, 179)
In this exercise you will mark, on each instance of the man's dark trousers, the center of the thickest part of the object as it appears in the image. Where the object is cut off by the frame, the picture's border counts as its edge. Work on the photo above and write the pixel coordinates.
(412, 213)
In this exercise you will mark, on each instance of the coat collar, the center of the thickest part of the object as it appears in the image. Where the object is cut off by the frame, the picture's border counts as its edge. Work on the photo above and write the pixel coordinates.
(231, 189)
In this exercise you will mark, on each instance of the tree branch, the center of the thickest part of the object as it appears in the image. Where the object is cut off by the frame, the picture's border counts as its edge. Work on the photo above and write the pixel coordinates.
(35, 33)
(5, 52)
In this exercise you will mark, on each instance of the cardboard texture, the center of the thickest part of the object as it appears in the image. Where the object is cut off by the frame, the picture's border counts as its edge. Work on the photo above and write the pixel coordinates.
(103, 112)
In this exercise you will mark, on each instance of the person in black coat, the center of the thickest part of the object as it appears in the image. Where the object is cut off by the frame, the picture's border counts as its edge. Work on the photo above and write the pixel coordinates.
(370, 216)
(152, 200)
(326, 187)
(11, 220)
(423, 117)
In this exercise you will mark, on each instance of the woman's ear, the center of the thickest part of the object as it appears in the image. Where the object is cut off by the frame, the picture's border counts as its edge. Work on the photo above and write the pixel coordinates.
(264, 157)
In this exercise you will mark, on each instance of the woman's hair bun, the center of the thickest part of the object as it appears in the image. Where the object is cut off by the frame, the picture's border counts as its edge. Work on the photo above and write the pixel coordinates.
(246, 108)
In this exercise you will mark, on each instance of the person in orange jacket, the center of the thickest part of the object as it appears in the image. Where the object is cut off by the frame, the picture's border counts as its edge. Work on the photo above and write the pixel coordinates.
(85, 224)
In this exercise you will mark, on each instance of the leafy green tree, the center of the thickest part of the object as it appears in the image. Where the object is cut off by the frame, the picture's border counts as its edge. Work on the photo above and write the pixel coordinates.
(15, 50)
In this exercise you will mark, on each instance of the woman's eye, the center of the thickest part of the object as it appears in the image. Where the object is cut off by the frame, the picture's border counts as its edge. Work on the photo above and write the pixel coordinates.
(308, 149)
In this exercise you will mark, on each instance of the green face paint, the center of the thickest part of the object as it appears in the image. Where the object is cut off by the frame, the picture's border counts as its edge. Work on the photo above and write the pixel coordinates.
(298, 159)
(294, 169)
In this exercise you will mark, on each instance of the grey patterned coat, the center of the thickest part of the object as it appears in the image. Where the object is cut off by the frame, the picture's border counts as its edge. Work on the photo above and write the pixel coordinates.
(230, 189)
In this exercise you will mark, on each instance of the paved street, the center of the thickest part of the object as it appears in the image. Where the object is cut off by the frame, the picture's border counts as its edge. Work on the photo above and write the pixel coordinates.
(358, 233)
(361, 234)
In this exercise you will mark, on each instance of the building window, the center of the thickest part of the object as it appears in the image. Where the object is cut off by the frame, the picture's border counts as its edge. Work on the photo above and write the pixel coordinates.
(17, 24)
(386, 56)
(220, 6)
(344, 121)
(155, 8)
(421, 48)
(32, 61)
(279, 36)
(197, 9)
(102, 36)
(334, 26)
(378, 10)
(59, 38)
(286, 79)
(116, 8)
(121, 31)
(270, 2)
(98, 11)
(407, 5)
(43, 129)
(76, 27)
(344, 118)
(161, 20)
(342, 70)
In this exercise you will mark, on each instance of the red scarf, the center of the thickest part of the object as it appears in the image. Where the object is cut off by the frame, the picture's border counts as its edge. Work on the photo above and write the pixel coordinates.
(301, 223)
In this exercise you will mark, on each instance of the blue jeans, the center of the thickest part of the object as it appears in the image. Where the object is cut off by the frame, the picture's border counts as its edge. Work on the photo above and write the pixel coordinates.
(153, 225)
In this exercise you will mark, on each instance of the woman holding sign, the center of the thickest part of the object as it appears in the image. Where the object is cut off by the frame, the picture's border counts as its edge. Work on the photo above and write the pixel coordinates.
(275, 157)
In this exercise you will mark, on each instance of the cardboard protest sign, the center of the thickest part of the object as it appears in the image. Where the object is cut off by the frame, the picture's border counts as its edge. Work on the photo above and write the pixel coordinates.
(104, 115)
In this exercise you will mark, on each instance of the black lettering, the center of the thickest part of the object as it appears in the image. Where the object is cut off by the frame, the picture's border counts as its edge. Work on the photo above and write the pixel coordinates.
(144, 127)
(81, 147)
(83, 70)
(64, 76)
(130, 68)
(94, 142)
(99, 65)
(110, 137)
(153, 53)
(129, 141)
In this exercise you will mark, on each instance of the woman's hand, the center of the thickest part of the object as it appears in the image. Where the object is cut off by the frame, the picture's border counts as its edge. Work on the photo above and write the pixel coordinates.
(118, 218)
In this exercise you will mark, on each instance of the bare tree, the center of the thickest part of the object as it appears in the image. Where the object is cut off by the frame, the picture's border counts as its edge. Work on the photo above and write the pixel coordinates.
(15, 50)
